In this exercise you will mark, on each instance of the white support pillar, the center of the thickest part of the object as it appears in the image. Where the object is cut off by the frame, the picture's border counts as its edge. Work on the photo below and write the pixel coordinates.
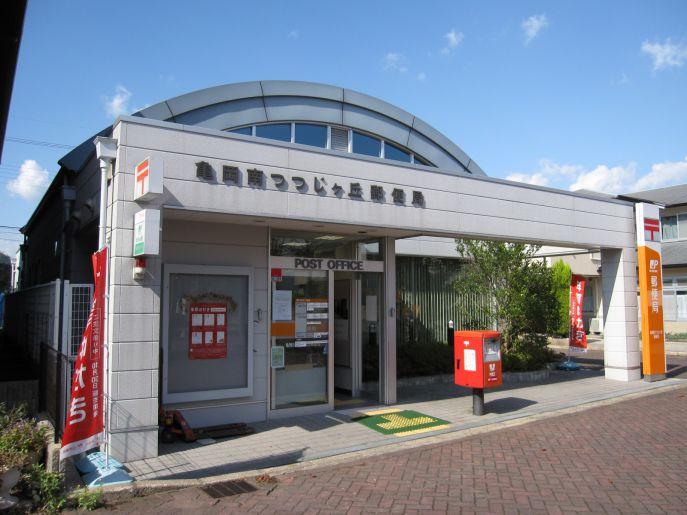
(621, 343)
(389, 349)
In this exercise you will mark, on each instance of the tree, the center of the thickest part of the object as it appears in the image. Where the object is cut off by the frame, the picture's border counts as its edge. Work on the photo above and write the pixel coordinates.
(524, 307)
(561, 277)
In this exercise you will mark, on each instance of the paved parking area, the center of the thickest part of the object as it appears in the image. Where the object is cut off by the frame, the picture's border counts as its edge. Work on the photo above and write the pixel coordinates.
(285, 441)
(625, 457)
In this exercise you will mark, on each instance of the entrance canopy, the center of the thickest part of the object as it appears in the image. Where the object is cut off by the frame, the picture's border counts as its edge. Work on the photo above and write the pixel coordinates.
(213, 173)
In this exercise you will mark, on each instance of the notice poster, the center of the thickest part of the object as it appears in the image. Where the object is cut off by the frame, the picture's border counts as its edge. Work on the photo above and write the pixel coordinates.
(577, 337)
(207, 330)
(83, 428)
(281, 305)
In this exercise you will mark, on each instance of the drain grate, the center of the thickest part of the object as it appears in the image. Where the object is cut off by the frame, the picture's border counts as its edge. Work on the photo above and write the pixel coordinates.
(228, 488)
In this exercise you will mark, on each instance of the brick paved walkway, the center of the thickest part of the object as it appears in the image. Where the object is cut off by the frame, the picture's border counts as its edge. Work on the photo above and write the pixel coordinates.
(628, 457)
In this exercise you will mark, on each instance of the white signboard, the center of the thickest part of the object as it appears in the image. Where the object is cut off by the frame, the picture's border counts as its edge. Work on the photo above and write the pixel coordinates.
(470, 360)
(148, 179)
(147, 232)
(281, 305)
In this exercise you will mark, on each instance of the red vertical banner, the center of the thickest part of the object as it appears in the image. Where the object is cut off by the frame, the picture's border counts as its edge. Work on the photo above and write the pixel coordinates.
(577, 338)
(84, 425)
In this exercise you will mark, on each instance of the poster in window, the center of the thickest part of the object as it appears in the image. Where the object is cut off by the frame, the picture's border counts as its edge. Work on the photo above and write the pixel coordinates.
(207, 330)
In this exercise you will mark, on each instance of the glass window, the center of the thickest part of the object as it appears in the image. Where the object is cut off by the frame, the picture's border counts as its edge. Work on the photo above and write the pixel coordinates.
(669, 305)
(278, 131)
(669, 224)
(208, 333)
(421, 161)
(395, 153)
(310, 134)
(366, 145)
(248, 131)
(300, 334)
(681, 304)
(682, 226)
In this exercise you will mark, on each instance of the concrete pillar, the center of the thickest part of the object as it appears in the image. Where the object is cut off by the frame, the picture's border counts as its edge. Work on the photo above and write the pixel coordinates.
(621, 343)
(389, 348)
(133, 334)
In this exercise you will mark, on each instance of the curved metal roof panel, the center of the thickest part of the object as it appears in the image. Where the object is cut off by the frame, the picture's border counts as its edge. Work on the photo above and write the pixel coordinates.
(247, 103)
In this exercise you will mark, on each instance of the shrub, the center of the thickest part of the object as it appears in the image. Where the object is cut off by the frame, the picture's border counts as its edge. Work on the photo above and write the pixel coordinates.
(44, 489)
(562, 275)
(424, 359)
(87, 500)
(528, 352)
(20, 437)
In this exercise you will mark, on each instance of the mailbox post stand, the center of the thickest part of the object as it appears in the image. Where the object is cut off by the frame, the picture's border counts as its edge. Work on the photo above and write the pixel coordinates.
(478, 401)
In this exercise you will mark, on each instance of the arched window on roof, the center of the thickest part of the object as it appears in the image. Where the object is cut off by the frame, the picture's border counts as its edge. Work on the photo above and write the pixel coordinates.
(332, 137)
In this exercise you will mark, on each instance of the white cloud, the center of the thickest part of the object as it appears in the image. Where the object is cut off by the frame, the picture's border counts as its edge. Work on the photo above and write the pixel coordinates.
(604, 178)
(294, 34)
(31, 182)
(118, 103)
(663, 174)
(453, 39)
(422, 76)
(665, 55)
(538, 179)
(9, 248)
(533, 25)
(395, 62)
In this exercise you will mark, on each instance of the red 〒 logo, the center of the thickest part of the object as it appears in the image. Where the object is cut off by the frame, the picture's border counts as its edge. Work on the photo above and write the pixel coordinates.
(652, 229)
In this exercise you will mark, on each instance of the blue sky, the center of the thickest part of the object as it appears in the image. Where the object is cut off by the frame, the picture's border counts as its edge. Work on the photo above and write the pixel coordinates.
(566, 94)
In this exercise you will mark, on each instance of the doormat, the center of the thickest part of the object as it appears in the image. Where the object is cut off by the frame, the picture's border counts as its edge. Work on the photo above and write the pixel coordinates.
(401, 423)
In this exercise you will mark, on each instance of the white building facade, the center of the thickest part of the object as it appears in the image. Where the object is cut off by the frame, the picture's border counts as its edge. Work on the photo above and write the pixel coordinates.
(272, 289)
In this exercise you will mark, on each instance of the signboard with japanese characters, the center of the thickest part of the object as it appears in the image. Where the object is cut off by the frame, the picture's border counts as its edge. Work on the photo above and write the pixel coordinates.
(650, 290)
(83, 427)
(147, 232)
(207, 330)
(148, 179)
(323, 186)
(577, 339)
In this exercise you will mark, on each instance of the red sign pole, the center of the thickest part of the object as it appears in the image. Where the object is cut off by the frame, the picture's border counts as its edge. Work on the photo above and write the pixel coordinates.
(84, 425)
(577, 338)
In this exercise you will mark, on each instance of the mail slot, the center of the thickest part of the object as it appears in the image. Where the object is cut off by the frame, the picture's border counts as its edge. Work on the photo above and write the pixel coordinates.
(477, 358)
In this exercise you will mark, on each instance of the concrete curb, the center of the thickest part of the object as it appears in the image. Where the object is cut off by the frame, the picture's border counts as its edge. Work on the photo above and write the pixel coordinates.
(120, 493)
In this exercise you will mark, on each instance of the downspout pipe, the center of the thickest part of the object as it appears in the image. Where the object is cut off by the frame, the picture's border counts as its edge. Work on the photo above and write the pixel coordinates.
(106, 152)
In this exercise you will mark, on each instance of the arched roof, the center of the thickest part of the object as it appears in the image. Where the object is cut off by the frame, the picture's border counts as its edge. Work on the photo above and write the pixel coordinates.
(247, 103)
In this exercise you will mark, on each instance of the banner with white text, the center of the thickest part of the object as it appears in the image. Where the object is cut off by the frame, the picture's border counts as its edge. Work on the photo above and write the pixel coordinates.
(577, 338)
(84, 425)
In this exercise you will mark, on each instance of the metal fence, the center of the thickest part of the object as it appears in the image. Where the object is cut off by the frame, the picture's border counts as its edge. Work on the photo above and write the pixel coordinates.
(32, 322)
(427, 300)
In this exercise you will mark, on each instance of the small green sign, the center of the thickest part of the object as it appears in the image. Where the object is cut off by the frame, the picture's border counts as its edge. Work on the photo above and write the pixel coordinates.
(139, 246)
(277, 356)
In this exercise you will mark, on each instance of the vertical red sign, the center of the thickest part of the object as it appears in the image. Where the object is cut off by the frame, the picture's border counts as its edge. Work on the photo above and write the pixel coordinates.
(577, 338)
(84, 424)
(207, 330)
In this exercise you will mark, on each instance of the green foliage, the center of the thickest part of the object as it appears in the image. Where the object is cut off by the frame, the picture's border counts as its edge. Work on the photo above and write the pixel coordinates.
(561, 279)
(45, 489)
(528, 352)
(20, 437)
(676, 337)
(424, 359)
(87, 500)
(525, 303)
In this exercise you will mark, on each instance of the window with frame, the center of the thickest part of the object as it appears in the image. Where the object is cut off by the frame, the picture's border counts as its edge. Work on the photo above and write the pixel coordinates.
(674, 227)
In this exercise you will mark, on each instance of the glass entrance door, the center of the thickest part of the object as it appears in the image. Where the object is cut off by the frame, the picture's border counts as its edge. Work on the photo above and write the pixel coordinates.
(300, 339)
(371, 334)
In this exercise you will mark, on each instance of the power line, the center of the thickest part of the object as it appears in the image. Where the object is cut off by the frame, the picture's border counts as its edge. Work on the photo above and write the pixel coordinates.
(38, 142)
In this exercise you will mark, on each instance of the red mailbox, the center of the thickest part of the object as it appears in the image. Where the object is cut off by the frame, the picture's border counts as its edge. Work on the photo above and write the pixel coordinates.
(477, 358)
